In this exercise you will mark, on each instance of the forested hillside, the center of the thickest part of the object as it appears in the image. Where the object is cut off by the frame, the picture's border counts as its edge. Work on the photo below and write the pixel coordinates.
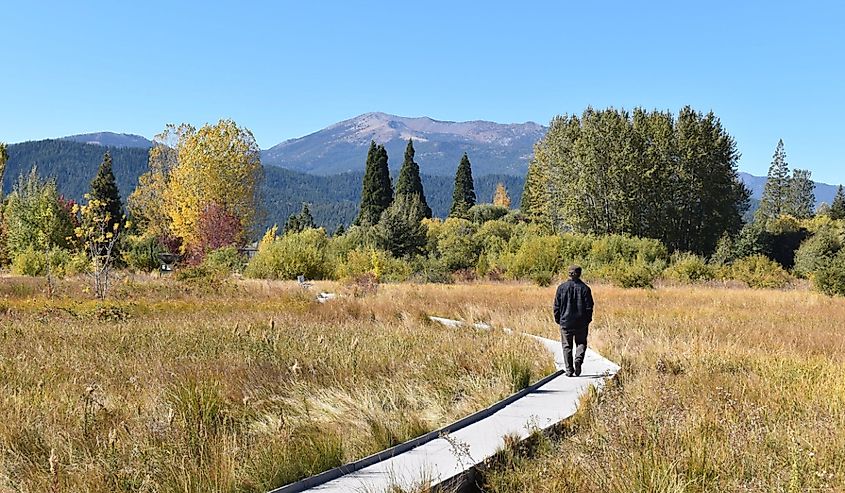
(74, 165)
(334, 199)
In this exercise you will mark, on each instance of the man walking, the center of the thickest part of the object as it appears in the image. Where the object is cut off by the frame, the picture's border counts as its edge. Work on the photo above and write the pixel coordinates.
(573, 313)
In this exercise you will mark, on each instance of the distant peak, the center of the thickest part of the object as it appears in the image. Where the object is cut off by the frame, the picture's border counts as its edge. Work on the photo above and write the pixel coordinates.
(110, 139)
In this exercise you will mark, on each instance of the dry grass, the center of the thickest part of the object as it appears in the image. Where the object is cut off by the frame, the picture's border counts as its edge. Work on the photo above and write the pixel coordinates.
(167, 389)
(721, 390)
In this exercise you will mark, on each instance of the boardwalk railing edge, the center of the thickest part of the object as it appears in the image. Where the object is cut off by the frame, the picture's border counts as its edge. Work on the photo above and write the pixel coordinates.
(337, 472)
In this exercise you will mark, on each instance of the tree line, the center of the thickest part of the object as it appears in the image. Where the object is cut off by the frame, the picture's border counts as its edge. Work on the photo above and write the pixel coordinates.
(644, 173)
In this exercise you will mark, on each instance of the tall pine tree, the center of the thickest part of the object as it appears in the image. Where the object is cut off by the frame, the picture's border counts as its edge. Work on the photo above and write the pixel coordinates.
(837, 207)
(409, 182)
(377, 193)
(104, 189)
(463, 197)
(4, 156)
(776, 192)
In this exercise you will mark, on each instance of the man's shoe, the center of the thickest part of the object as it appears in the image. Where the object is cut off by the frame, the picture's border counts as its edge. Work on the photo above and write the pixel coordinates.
(577, 370)
(570, 373)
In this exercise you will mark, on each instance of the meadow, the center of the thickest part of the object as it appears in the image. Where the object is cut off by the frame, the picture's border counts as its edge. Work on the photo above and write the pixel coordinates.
(173, 389)
(721, 389)
(167, 388)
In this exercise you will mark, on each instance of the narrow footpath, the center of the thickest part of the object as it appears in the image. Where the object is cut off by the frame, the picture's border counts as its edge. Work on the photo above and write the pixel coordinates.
(440, 456)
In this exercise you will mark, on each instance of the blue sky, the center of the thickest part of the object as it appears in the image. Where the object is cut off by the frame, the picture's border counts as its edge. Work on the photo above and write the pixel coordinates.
(769, 70)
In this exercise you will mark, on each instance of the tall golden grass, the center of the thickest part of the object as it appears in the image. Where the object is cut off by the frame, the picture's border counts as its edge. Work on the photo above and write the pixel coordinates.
(721, 390)
(254, 385)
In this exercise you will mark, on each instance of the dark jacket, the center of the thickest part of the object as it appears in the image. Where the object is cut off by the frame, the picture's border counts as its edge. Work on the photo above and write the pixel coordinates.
(573, 304)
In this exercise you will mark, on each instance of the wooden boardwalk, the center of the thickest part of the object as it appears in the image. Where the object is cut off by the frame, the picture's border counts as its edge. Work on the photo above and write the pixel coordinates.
(443, 455)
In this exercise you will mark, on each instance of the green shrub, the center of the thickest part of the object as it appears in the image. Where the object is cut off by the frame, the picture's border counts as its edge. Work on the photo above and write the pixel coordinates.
(542, 278)
(830, 279)
(202, 277)
(611, 249)
(493, 236)
(759, 271)
(379, 263)
(430, 270)
(30, 262)
(356, 237)
(227, 260)
(817, 252)
(575, 248)
(141, 253)
(66, 263)
(688, 267)
(482, 213)
(628, 275)
(294, 254)
(456, 244)
(515, 217)
(536, 255)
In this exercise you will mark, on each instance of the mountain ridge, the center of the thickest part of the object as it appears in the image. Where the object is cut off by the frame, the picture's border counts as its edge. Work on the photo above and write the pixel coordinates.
(110, 139)
(492, 147)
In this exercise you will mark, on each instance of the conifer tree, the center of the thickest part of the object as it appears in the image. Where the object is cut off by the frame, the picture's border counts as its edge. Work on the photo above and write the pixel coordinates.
(4, 157)
(306, 220)
(104, 189)
(501, 197)
(775, 194)
(300, 221)
(377, 193)
(409, 182)
(837, 207)
(399, 230)
(801, 197)
(463, 196)
(535, 194)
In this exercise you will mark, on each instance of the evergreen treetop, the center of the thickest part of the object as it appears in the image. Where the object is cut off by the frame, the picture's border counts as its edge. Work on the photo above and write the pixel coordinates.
(463, 197)
(300, 221)
(409, 182)
(837, 207)
(104, 189)
(4, 156)
(377, 192)
(773, 203)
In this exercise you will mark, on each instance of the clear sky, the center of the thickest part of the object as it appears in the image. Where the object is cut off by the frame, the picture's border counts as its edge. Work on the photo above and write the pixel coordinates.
(769, 69)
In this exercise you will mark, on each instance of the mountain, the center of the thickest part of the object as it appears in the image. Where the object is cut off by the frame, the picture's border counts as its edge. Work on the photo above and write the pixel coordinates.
(824, 192)
(111, 139)
(342, 147)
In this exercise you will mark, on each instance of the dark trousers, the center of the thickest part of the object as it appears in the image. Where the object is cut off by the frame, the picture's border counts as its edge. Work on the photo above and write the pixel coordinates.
(578, 336)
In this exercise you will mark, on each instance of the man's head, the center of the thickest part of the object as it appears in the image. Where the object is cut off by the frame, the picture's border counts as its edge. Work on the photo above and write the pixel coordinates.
(575, 272)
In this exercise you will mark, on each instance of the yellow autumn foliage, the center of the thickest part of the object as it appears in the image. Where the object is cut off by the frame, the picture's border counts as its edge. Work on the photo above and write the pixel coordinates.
(217, 164)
